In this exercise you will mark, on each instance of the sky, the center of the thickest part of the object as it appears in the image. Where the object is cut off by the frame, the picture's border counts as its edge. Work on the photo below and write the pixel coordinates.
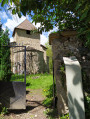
(11, 21)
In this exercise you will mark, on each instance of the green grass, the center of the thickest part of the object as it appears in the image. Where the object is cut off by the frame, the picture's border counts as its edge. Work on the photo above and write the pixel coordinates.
(16, 77)
(51, 113)
(44, 82)
(39, 81)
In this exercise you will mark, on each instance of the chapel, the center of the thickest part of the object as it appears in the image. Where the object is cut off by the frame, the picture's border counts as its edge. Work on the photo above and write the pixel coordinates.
(26, 34)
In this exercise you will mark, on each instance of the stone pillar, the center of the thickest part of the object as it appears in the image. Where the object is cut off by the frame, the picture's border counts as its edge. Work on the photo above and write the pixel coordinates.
(64, 44)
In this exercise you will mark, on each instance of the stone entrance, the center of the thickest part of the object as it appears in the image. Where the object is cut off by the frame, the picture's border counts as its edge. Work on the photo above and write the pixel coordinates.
(66, 44)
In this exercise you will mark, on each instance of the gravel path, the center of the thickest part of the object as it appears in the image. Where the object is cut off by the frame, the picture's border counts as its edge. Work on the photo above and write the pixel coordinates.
(34, 110)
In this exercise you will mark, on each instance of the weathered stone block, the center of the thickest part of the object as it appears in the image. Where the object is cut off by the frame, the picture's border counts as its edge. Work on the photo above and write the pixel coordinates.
(74, 88)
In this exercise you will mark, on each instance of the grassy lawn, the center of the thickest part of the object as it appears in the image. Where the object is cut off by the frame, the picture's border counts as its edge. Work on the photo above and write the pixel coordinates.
(17, 77)
(35, 81)
(39, 81)
(44, 82)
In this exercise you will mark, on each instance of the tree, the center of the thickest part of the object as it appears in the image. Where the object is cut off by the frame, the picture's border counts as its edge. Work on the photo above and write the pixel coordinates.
(66, 14)
(49, 54)
(5, 64)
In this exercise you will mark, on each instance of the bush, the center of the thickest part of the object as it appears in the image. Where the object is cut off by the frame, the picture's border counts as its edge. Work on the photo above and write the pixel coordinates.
(3, 110)
(5, 63)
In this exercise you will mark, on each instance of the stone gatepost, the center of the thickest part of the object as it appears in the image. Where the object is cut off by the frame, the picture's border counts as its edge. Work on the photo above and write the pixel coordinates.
(64, 44)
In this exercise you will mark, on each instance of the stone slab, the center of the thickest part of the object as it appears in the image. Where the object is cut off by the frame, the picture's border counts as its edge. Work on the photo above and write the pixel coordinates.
(74, 88)
(13, 95)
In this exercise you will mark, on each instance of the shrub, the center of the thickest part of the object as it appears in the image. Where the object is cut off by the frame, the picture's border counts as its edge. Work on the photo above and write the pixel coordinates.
(5, 64)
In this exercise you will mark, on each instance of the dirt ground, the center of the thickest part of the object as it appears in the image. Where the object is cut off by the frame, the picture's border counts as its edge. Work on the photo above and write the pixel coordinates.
(34, 110)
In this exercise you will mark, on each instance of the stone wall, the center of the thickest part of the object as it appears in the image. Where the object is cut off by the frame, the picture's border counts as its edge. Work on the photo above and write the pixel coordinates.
(66, 44)
(35, 62)
(32, 39)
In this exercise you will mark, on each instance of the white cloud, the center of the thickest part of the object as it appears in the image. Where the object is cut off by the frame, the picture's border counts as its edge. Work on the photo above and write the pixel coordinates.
(11, 39)
(36, 25)
(43, 39)
(3, 15)
(44, 36)
(12, 23)
(3, 27)
(54, 29)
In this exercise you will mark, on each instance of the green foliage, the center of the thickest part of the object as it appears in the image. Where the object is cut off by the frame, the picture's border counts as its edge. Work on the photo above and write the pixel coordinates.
(51, 113)
(49, 54)
(66, 116)
(63, 76)
(86, 87)
(86, 82)
(87, 106)
(62, 68)
(3, 110)
(88, 100)
(56, 31)
(48, 92)
(5, 64)
(51, 13)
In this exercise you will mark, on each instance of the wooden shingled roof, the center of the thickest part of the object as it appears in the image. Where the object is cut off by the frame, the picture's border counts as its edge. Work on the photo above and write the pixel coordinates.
(25, 25)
